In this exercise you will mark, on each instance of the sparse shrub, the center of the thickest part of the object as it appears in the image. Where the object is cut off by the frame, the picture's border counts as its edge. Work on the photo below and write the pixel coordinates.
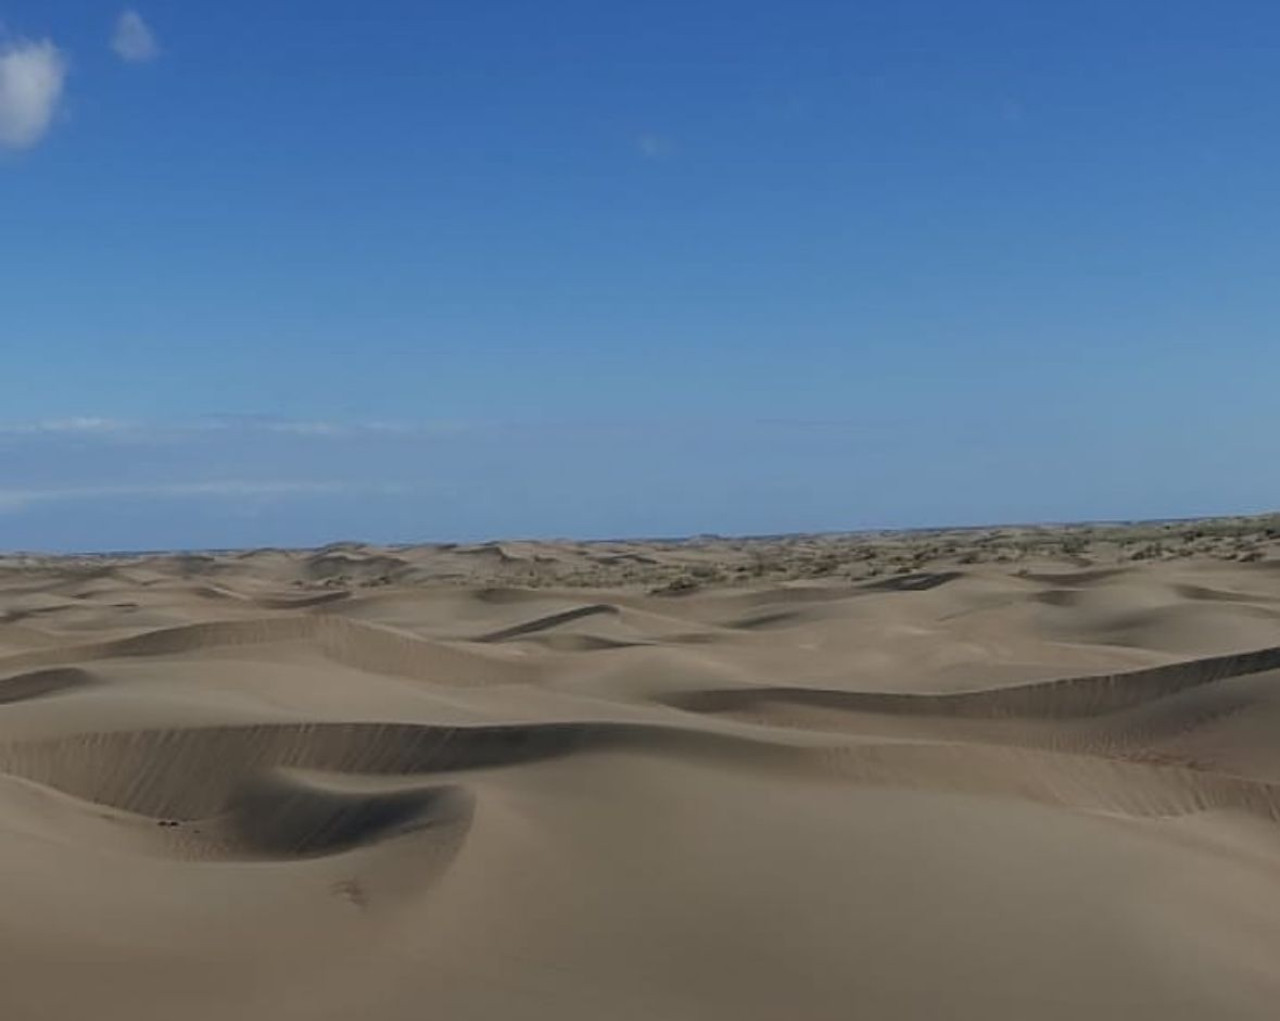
(680, 586)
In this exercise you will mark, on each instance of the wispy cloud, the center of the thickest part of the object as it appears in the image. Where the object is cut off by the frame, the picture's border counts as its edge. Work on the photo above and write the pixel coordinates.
(655, 147)
(32, 75)
(21, 499)
(1012, 111)
(309, 428)
(112, 429)
(133, 41)
(322, 428)
(65, 426)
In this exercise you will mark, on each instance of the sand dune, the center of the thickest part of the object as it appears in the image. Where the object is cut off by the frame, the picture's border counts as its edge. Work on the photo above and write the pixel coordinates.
(1008, 773)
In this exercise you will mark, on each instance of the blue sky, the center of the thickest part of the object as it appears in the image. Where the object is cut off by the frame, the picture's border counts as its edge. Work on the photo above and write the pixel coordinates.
(289, 272)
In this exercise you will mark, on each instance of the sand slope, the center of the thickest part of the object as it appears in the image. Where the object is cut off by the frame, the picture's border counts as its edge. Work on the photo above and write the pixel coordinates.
(1007, 774)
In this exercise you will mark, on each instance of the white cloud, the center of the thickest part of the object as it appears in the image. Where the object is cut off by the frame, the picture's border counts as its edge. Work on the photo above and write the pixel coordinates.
(31, 79)
(133, 40)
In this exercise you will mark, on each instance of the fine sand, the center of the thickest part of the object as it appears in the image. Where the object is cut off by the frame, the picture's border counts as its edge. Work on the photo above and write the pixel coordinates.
(1023, 773)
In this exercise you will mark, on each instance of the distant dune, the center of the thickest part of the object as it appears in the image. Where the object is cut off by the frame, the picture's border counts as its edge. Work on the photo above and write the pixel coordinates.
(1023, 773)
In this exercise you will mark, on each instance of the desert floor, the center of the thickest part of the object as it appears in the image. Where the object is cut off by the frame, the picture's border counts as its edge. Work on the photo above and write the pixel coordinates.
(1025, 773)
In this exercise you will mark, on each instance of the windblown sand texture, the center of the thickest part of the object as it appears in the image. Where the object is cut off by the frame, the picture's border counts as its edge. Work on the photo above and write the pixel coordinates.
(1007, 773)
